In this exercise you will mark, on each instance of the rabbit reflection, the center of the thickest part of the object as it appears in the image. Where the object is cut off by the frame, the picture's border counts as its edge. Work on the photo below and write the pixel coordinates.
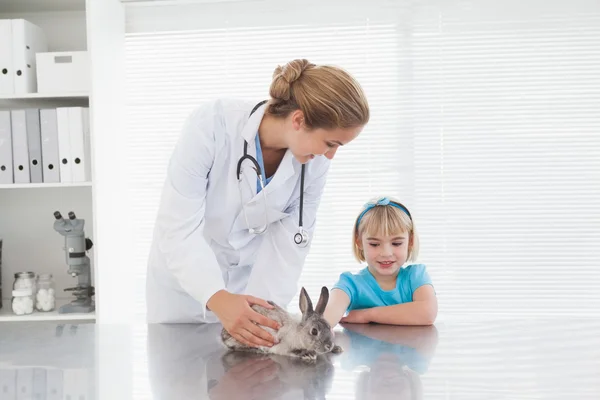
(258, 376)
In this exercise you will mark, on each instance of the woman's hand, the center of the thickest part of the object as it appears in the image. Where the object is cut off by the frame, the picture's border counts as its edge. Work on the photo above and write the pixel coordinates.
(239, 319)
(252, 379)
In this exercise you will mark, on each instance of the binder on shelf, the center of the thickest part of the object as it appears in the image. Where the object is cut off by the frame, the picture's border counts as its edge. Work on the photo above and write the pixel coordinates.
(49, 135)
(34, 144)
(6, 149)
(54, 384)
(24, 383)
(20, 147)
(8, 383)
(79, 141)
(27, 40)
(39, 383)
(64, 146)
(1, 305)
(7, 82)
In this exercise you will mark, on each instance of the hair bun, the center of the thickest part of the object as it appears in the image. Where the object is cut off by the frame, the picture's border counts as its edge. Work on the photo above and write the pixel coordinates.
(283, 77)
(293, 70)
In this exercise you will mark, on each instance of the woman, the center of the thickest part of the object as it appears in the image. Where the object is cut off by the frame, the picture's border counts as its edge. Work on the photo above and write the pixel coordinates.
(210, 260)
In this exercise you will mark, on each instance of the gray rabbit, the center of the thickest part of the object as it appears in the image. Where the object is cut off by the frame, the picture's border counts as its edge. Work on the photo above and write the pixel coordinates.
(304, 336)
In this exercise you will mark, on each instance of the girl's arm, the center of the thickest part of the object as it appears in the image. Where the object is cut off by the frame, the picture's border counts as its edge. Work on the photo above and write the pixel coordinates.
(421, 311)
(336, 306)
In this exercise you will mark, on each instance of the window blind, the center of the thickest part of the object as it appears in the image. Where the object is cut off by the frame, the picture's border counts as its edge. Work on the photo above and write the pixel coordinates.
(484, 124)
(504, 117)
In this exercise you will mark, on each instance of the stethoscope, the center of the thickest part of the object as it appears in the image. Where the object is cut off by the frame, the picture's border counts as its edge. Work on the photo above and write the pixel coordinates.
(301, 237)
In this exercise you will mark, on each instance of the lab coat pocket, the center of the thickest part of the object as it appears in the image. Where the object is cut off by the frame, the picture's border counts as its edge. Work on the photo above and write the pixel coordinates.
(257, 216)
(240, 235)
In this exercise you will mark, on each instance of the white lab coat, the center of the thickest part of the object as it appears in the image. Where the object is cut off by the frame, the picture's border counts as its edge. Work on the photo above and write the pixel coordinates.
(201, 243)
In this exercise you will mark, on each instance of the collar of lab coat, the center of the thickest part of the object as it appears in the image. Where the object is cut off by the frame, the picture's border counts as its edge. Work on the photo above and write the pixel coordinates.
(288, 167)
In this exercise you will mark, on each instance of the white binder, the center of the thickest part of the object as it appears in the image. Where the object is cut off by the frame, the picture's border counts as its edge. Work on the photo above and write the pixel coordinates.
(8, 383)
(54, 384)
(27, 40)
(79, 135)
(7, 83)
(39, 384)
(64, 145)
(20, 147)
(6, 151)
(49, 133)
(34, 143)
(24, 384)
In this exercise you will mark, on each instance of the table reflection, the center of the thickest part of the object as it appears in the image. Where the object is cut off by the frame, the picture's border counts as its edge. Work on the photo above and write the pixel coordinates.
(380, 361)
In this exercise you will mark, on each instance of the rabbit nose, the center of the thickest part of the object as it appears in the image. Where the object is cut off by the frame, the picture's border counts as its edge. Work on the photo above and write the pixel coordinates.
(328, 346)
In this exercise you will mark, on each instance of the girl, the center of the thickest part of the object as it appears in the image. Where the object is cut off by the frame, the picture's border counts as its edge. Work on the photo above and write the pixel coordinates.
(387, 291)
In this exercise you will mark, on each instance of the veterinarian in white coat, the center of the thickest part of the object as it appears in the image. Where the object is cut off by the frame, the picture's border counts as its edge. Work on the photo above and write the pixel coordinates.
(205, 263)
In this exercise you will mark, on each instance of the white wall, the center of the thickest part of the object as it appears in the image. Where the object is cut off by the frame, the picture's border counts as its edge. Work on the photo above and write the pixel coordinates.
(106, 33)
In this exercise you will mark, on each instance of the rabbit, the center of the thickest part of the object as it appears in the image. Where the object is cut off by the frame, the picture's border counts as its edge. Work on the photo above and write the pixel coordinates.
(304, 336)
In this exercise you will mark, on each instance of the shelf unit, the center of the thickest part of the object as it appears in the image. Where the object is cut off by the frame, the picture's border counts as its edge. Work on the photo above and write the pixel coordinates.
(44, 185)
(26, 210)
(49, 96)
(6, 314)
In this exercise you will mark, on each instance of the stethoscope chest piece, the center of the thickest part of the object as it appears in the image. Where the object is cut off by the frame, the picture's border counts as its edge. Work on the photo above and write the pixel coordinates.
(301, 238)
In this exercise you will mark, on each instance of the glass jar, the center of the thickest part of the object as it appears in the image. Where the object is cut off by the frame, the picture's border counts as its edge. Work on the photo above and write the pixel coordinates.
(22, 301)
(45, 299)
(24, 280)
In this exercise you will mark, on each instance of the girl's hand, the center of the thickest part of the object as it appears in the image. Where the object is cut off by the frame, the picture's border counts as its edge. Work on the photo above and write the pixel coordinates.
(239, 319)
(357, 317)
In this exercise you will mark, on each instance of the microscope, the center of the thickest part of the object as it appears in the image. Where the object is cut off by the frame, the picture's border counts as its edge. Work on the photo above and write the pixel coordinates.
(76, 245)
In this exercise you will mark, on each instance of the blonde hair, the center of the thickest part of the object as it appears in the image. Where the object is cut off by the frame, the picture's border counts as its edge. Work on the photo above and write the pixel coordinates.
(385, 220)
(328, 96)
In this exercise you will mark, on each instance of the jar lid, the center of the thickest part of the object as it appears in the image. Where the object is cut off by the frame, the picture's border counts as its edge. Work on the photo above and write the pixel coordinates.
(22, 292)
(45, 276)
(26, 274)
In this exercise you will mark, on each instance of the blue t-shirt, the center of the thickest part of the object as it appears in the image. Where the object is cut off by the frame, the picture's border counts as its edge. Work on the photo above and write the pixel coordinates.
(259, 158)
(364, 291)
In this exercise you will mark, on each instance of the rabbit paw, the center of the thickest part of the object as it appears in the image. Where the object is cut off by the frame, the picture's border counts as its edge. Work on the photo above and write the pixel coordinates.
(306, 355)
(337, 349)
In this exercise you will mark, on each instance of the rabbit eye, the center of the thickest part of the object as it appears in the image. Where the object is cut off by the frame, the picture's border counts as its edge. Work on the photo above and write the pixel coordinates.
(314, 331)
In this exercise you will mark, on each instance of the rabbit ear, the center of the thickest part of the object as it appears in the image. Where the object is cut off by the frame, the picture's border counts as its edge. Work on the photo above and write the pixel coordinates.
(305, 304)
(323, 299)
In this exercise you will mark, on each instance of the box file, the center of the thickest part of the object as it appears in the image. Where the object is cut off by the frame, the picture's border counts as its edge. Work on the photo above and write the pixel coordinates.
(79, 140)
(34, 144)
(7, 80)
(54, 384)
(6, 151)
(49, 134)
(64, 146)
(20, 146)
(27, 40)
(74, 143)
(8, 383)
(39, 384)
(24, 383)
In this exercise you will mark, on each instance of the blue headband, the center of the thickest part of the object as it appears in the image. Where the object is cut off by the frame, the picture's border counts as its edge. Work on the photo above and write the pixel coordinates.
(384, 201)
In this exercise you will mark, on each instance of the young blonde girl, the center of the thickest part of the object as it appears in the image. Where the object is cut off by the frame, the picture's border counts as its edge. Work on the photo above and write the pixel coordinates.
(392, 288)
